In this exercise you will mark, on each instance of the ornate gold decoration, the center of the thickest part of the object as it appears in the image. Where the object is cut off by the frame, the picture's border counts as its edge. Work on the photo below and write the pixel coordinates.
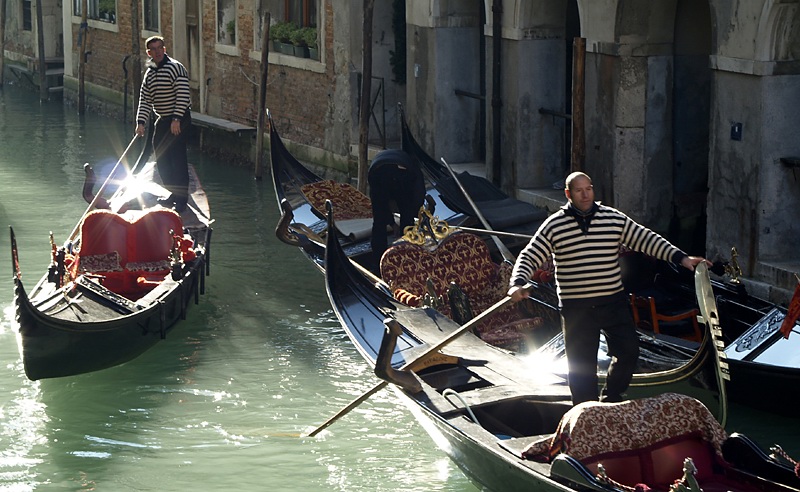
(428, 229)
(732, 268)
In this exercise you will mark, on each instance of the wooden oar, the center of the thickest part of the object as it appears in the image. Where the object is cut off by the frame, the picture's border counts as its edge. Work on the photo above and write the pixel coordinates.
(500, 246)
(409, 365)
(102, 188)
(495, 233)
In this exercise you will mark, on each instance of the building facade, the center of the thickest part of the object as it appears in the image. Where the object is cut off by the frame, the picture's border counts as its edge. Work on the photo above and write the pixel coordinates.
(688, 106)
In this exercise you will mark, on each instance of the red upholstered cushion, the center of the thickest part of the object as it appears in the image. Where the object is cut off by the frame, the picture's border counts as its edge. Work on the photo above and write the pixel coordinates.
(667, 458)
(141, 242)
(657, 465)
(150, 235)
(625, 468)
(104, 232)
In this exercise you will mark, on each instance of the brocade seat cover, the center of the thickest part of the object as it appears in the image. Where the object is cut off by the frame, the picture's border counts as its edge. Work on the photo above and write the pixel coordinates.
(641, 441)
(463, 259)
(348, 202)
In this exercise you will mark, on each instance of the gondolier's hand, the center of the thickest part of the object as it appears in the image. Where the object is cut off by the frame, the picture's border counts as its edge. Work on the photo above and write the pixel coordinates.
(689, 262)
(140, 130)
(175, 127)
(518, 292)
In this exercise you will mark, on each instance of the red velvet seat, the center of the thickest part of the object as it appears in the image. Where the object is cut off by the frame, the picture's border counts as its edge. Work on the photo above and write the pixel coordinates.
(122, 249)
(644, 442)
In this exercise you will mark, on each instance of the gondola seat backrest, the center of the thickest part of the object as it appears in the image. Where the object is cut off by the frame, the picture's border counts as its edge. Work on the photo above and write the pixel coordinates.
(123, 248)
(643, 441)
(464, 259)
(348, 202)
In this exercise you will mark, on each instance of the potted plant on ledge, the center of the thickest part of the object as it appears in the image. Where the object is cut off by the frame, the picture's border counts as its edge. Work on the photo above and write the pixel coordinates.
(310, 38)
(281, 35)
(299, 43)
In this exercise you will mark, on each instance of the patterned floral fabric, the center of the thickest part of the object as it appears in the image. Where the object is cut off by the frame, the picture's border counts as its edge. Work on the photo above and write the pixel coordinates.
(464, 259)
(147, 266)
(108, 262)
(592, 428)
(348, 202)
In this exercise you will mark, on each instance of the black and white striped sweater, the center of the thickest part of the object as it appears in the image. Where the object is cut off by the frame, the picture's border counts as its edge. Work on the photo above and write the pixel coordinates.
(585, 252)
(165, 90)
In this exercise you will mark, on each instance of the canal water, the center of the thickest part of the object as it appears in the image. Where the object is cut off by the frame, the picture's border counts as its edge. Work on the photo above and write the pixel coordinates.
(222, 402)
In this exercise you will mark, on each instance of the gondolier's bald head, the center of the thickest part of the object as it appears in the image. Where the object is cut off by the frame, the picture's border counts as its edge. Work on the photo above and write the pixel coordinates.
(579, 191)
(573, 176)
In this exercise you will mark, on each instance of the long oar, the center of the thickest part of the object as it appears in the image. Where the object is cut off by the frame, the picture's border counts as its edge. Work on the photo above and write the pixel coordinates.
(102, 188)
(502, 247)
(435, 348)
(494, 233)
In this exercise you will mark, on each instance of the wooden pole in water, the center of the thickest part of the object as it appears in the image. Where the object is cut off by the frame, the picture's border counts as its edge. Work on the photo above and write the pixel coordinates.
(578, 100)
(83, 33)
(44, 94)
(366, 91)
(2, 40)
(136, 58)
(262, 95)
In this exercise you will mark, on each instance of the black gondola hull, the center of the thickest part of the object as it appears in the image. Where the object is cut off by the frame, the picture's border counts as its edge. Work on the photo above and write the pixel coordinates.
(52, 348)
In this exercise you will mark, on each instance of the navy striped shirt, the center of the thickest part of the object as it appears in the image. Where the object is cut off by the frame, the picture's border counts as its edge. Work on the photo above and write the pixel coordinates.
(585, 252)
(165, 90)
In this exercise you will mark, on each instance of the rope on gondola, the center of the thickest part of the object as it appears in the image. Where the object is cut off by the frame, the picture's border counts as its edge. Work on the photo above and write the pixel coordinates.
(603, 477)
(777, 450)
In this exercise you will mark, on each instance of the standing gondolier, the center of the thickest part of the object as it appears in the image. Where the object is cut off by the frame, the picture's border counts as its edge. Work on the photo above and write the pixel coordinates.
(584, 238)
(165, 91)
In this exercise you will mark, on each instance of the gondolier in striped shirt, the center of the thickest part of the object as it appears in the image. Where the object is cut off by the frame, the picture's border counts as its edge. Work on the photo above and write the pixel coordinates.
(583, 238)
(165, 92)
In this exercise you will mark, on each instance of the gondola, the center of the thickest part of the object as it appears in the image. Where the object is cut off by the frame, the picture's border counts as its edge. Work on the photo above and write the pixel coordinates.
(293, 181)
(118, 284)
(290, 178)
(762, 363)
(503, 421)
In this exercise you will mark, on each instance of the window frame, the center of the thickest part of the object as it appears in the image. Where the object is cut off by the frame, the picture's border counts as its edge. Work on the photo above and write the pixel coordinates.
(155, 12)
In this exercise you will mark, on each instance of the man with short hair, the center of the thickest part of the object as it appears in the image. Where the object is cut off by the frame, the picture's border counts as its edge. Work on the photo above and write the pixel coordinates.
(165, 91)
(583, 238)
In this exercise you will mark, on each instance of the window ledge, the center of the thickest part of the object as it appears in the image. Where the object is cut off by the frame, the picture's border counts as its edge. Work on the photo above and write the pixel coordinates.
(315, 66)
(227, 49)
